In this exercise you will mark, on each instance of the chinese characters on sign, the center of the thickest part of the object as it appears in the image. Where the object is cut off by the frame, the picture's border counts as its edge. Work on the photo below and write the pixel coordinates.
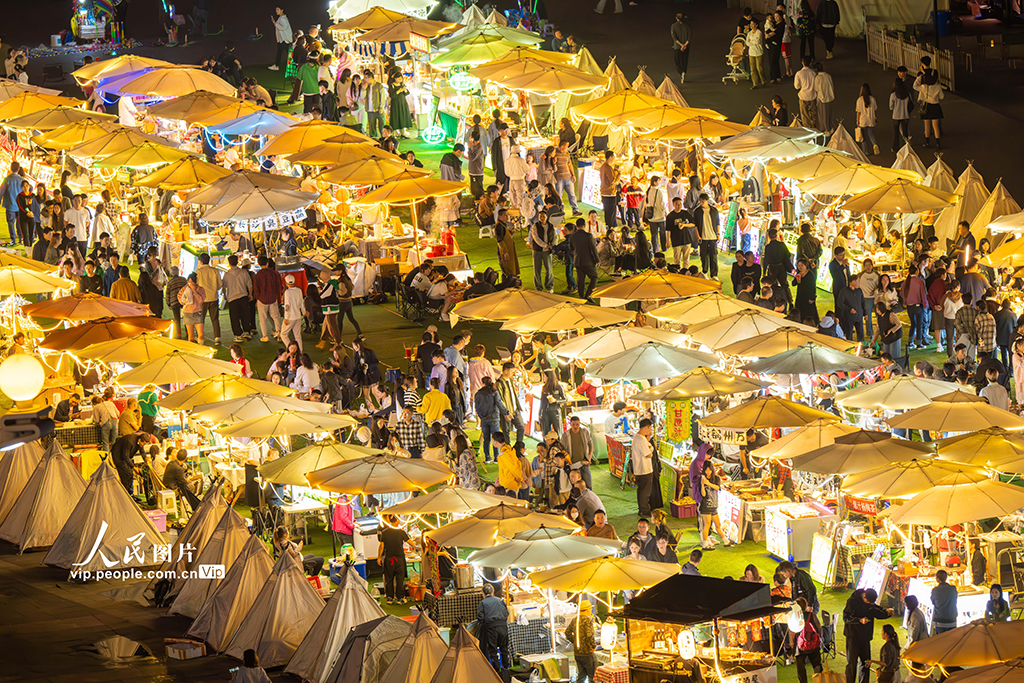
(418, 42)
(678, 415)
(734, 437)
(134, 554)
(861, 506)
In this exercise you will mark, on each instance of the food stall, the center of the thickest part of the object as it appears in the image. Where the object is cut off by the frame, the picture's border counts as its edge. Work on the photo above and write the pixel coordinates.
(741, 508)
(838, 553)
(790, 528)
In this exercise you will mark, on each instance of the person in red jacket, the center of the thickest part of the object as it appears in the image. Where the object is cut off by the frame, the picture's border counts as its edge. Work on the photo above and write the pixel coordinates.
(268, 297)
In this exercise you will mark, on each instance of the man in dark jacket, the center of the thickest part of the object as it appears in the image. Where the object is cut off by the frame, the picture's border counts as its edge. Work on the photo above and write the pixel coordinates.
(1006, 325)
(859, 616)
(840, 272)
(451, 164)
(542, 242)
(500, 149)
(171, 290)
(828, 19)
(123, 453)
(705, 217)
(39, 248)
(492, 613)
(778, 261)
(586, 260)
(90, 280)
(176, 480)
(850, 306)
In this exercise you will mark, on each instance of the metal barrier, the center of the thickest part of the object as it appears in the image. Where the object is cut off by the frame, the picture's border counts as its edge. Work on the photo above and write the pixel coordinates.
(891, 50)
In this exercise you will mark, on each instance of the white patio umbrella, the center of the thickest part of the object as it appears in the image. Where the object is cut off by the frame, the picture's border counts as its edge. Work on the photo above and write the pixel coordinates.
(817, 434)
(287, 422)
(604, 343)
(862, 450)
(450, 499)
(899, 393)
(956, 412)
(544, 552)
(253, 406)
(258, 203)
(388, 473)
(719, 333)
(649, 360)
(959, 502)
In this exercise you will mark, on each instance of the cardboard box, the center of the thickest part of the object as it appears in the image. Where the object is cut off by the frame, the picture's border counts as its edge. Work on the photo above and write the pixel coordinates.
(182, 648)
(552, 667)
(159, 519)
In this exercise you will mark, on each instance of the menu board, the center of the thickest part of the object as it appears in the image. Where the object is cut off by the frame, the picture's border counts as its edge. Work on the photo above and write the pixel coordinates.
(678, 414)
(822, 569)
(735, 437)
(873, 575)
(776, 533)
(730, 513)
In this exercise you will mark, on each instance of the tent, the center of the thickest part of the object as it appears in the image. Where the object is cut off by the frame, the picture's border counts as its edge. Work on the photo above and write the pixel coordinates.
(104, 525)
(350, 606)
(998, 204)
(586, 63)
(45, 503)
(842, 141)
(464, 662)
(708, 599)
(16, 468)
(223, 547)
(643, 83)
(669, 91)
(369, 650)
(940, 176)
(420, 654)
(616, 82)
(280, 617)
(220, 616)
(973, 193)
(907, 160)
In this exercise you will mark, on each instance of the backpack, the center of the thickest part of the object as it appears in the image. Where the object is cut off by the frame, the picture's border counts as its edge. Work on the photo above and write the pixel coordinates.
(808, 639)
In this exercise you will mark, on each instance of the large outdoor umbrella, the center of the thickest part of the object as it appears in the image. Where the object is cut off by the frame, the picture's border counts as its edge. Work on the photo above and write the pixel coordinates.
(990, 447)
(258, 203)
(568, 316)
(962, 501)
(476, 50)
(672, 116)
(171, 82)
(523, 52)
(9, 89)
(186, 174)
(604, 343)
(856, 179)
(264, 122)
(56, 117)
(720, 333)
(816, 434)
(696, 128)
(177, 368)
(346, 136)
(85, 306)
(221, 387)
(899, 196)
(956, 412)
(908, 478)
(860, 451)
(518, 61)
(603, 108)
(12, 259)
(552, 79)
(490, 526)
(604, 574)
(22, 280)
(1007, 254)
(813, 166)
(700, 382)
(783, 339)
(144, 155)
(410, 189)
(291, 469)
(122, 64)
(253, 406)
(375, 17)
(544, 552)
(450, 499)
(75, 134)
(31, 102)
(400, 29)
(114, 142)
(649, 360)
(142, 348)
(513, 35)
(375, 474)
(506, 304)
(228, 112)
(656, 284)
(403, 6)
(766, 411)
(337, 153)
(697, 309)
(1011, 671)
(810, 359)
(240, 182)
(899, 393)
(978, 644)
(102, 330)
(760, 138)
(287, 422)
(193, 104)
(373, 170)
(302, 136)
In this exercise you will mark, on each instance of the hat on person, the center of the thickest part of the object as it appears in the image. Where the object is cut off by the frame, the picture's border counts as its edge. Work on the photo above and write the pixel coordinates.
(290, 279)
(551, 435)
(431, 328)
(585, 607)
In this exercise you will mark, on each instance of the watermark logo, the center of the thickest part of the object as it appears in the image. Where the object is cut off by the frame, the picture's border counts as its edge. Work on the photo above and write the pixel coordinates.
(125, 564)
(210, 571)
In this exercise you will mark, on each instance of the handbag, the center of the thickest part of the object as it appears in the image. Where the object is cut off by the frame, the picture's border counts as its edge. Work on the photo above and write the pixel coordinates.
(648, 213)
(858, 134)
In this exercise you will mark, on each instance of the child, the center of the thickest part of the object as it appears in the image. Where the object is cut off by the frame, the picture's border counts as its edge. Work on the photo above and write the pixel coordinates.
(634, 198)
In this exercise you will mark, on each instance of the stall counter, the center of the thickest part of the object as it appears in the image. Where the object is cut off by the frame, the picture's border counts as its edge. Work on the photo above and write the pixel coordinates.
(790, 529)
(970, 602)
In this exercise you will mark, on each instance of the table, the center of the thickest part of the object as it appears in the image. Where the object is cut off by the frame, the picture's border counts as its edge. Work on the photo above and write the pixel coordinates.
(232, 474)
(457, 261)
(849, 560)
(73, 434)
(453, 608)
(301, 510)
(737, 514)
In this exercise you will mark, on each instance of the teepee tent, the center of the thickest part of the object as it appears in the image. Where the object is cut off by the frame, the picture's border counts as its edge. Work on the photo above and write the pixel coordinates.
(350, 606)
(105, 522)
(473, 17)
(907, 160)
(998, 204)
(420, 654)
(973, 193)
(45, 503)
(643, 83)
(223, 547)
(464, 662)
(368, 650)
(16, 468)
(221, 615)
(842, 141)
(586, 63)
(669, 91)
(496, 18)
(940, 176)
(280, 617)
(616, 82)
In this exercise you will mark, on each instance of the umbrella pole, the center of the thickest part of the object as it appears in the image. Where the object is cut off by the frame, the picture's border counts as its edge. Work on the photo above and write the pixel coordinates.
(551, 617)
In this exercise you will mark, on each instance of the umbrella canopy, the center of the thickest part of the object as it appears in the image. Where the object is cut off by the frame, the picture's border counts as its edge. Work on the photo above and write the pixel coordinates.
(860, 451)
(177, 368)
(87, 306)
(520, 52)
(674, 119)
(697, 309)
(961, 501)
(291, 469)
(375, 474)
(766, 411)
(956, 412)
(11, 259)
(899, 393)
(507, 304)
(649, 361)
(760, 137)
(193, 104)
(56, 117)
(450, 499)
(22, 280)
(257, 203)
(409, 188)
(31, 102)
(122, 64)
(228, 112)
(694, 128)
(521, 61)
(477, 50)
(142, 348)
(253, 406)
(784, 339)
(336, 153)
(144, 155)
(1012, 222)
(362, 6)
(810, 359)
(604, 574)
(816, 165)
(238, 183)
(114, 142)
(102, 330)
(1007, 254)
(488, 527)
(302, 137)
(171, 82)
(1011, 671)
(856, 179)
(908, 478)
(816, 434)
(346, 136)
(9, 89)
(221, 387)
(656, 284)
(373, 170)
(544, 78)
(899, 196)
(288, 421)
(721, 333)
(75, 133)
(544, 552)
(513, 35)
(185, 174)
(399, 30)
(568, 316)
(603, 108)
(262, 122)
(994, 447)
(700, 381)
(375, 17)
(977, 644)
(604, 343)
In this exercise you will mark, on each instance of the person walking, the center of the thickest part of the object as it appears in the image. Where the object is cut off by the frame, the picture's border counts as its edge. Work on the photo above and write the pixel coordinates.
(867, 111)
(210, 283)
(609, 193)
(475, 162)
(542, 241)
(238, 292)
(901, 104)
(600, 6)
(654, 214)
(391, 551)
(930, 93)
(755, 51)
(805, 26)
(564, 172)
(774, 30)
(828, 19)
(804, 83)
(580, 633)
(824, 95)
(283, 35)
(585, 259)
(808, 643)
(267, 286)
(294, 313)
(374, 95)
(641, 454)
(680, 34)
(705, 217)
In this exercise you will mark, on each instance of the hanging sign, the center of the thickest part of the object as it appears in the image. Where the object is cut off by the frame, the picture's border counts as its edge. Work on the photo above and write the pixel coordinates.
(418, 42)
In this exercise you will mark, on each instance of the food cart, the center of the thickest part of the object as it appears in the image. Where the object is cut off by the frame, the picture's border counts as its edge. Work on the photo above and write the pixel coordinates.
(790, 528)
(741, 508)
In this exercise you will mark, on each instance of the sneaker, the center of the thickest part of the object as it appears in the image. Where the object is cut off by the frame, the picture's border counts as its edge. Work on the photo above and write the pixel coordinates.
(216, 341)
(390, 601)
(877, 150)
(828, 55)
(274, 67)
(264, 339)
(403, 601)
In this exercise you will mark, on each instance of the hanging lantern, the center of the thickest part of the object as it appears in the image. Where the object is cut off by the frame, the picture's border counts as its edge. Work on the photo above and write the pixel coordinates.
(344, 209)
(325, 198)
(795, 619)
(687, 645)
(609, 634)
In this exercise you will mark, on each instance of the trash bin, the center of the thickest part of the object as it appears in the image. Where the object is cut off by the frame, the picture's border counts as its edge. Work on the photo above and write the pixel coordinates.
(945, 22)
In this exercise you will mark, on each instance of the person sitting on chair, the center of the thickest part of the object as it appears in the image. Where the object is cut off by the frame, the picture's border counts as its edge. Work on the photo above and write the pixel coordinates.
(311, 564)
(176, 479)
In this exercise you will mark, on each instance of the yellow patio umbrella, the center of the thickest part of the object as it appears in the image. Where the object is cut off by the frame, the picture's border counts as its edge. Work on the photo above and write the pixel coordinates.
(399, 30)
(1011, 671)
(766, 411)
(9, 88)
(899, 393)
(956, 412)
(656, 284)
(122, 64)
(105, 329)
(813, 166)
(603, 108)
(604, 343)
(962, 500)
(568, 316)
(545, 78)
(977, 644)
(994, 447)
(194, 104)
(115, 142)
(220, 387)
(523, 38)
(75, 134)
(84, 306)
(142, 348)
(56, 117)
(860, 451)
(171, 82)
(373, 170)
(698, 308)
(908, 478)
(145, 155)
(375, 17)
(544, 552)
(723, 332)
(477, 50)
(257, 203)
(665, 115)
(899, 196)
(856, 179)
(816, 434)
(450, 499)
(696, 128)
(336, 153)
(387, 473)
(522, 52)
(287, 422)
(783, 339)
(185, 174)
(810, 359)
(291, 469)
(700, 382)
(604, 574)
(1007, 254)
(408, 189)
(252, 406)
(301, 137)
(228, 112)
(346, 136)
(22, 280)
(490, 526)
(506, 304)
(31, 102)
(239, 183)
(9, 259)
(177, 368)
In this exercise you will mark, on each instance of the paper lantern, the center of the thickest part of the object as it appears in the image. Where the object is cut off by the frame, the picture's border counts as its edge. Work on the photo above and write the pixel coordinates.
(343, 209)
(795, 619)
(21, 377)
(342, 195)
(687, 645)
(609, 634)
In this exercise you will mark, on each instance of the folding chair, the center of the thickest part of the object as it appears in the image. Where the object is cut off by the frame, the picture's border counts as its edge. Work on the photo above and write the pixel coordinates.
(53, 73)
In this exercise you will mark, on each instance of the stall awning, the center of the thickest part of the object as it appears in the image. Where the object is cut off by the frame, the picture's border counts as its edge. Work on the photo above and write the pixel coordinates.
(687, 599)
(367, 49)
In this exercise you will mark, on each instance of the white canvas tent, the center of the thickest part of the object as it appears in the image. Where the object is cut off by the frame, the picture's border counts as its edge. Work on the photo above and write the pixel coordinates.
(643, 83)
(842, 141)
(907, 160)
(221, 615)
(45, 503)
(16, 468)
(998, 204)
(280, 617)
(369, 650)
(496, 17)
(350, 606)
(616, 136)
(105, 511)
(223, 547)
(464, 662)
(973, 193)
(940, 176)
(420, 654)
(586, 63)
(669, 91)
(473, 17)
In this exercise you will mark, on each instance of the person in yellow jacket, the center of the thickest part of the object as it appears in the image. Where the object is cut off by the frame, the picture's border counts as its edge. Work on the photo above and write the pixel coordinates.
(435, 402)
(510, 470)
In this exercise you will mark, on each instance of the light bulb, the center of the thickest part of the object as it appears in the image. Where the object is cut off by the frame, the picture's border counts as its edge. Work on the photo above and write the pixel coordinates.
(21, 377)
(687, 645)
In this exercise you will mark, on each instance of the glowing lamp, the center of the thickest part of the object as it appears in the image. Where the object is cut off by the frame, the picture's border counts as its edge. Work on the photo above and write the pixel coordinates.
(609, 634)
(795, 619)
(463, 82)
(687, 645)
(21, 377)
(433, 135)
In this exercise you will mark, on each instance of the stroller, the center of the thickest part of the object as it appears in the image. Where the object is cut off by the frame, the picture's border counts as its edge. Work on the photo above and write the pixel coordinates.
(734, 60)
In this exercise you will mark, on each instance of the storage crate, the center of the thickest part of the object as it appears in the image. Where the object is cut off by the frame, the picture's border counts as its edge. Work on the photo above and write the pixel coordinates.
(684, 511)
